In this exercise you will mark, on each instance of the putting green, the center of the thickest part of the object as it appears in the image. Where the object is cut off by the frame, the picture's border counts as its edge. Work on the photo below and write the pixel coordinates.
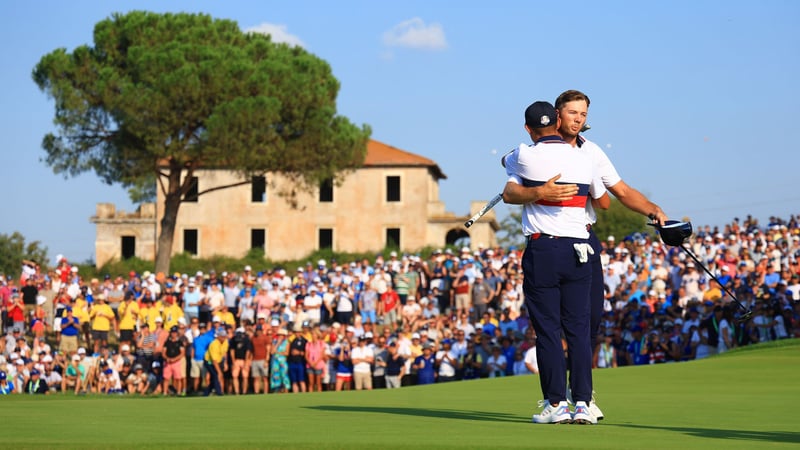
(743, 399)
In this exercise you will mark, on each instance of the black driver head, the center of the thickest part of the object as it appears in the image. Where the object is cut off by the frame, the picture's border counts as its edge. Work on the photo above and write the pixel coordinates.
(673, 232)
(745, 316)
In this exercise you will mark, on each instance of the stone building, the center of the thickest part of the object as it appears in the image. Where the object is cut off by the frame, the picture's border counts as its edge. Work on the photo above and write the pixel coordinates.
(392, 201)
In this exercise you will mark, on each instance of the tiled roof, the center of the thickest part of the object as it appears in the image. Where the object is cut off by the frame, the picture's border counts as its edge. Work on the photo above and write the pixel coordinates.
(383, 155)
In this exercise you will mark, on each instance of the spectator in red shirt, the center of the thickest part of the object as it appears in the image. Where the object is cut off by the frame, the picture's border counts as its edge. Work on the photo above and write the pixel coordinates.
(387, 307)
(16, 311)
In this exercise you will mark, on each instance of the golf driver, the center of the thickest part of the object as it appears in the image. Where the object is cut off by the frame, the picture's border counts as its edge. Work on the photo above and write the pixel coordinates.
(484, 210)
(675, 233)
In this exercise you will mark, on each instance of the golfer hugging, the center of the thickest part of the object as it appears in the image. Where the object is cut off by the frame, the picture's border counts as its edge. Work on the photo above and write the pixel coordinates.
(554, 181)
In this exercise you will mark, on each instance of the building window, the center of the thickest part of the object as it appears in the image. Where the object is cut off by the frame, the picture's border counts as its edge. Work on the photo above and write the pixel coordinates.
(191, 196)
(190, 241)
(325, 238)
(128, 247)
(258, 192)
(326, 191)
(258, 237)
(393, 238)
(393, 189)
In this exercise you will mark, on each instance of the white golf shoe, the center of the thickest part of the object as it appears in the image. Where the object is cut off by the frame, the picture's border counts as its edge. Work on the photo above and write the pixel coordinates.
(554, 414)
(594, 409)
(583, 415)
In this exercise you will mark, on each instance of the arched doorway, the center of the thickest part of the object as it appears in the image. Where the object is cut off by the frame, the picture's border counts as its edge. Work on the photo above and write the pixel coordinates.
(457, 237)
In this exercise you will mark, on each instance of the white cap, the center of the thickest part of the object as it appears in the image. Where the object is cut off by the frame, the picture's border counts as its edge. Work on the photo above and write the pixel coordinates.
(321, 262)
(74, 269)
(182, 321)
(76, 358)
(216, 319)
(415, 336)
(610, 237)
(248, 268)
(240, 330)
(81, 351)
(350, 329)
(724, 268)
(125, 348)
(275, 322)
(47, 359)
(368, 335)
(464, 249)
(159, 319)
(41, 299)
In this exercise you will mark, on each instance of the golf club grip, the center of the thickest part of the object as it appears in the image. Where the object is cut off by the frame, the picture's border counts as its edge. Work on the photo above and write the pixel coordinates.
(484, 210)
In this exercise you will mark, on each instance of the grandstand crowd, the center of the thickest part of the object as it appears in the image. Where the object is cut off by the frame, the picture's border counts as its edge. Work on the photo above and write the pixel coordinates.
(389, 322)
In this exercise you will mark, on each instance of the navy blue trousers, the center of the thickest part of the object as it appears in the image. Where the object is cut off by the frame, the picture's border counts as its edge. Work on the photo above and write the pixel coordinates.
(598, 288)
(214, 380)
(557, 296)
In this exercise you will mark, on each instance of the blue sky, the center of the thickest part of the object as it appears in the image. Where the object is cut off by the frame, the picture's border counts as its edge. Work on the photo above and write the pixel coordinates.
(695, 102)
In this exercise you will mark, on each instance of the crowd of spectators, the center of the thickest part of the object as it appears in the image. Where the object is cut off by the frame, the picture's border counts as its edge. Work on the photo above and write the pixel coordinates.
(393, 321)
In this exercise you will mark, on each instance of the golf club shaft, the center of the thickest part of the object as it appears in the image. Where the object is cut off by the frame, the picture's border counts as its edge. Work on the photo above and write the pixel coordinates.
(744, 309)
(484, 210)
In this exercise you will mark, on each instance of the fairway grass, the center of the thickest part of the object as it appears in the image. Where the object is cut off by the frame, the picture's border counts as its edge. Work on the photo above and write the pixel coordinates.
(743, 399)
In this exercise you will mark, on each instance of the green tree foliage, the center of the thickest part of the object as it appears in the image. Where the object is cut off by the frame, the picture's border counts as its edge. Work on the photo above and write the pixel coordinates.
(14, 250)
(159, 96)
(619, 221)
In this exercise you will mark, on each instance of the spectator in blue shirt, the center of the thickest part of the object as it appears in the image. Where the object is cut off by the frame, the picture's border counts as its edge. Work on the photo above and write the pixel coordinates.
(199, 347)
(424, 364)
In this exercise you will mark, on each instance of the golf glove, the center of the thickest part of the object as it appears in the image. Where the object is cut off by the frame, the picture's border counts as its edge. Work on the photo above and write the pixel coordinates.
(583, 251)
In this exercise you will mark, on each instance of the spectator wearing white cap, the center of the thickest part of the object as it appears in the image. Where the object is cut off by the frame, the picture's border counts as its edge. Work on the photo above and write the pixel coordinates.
(344, 305)
(241, 355)
(39, 317)
(191, 300)
(362, 358)
(412, 314)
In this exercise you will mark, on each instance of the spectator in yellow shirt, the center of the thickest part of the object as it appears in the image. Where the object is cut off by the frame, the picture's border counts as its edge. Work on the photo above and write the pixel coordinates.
(148, 313)
(216, 362)
(102, 317)
(172, 312)
(128, 316)
(80, 309)
(225, 316)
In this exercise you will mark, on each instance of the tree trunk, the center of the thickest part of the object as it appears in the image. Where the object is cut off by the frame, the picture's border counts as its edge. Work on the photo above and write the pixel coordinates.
(172, 204)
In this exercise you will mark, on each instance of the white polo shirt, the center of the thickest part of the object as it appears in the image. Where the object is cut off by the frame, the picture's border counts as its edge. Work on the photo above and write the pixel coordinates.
(534, 165)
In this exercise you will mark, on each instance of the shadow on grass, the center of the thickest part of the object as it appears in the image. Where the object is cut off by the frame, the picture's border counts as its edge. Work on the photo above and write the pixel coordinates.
(713, 433)
(421, 412)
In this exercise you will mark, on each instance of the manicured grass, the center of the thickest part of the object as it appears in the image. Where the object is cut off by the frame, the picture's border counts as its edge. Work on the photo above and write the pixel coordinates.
(743, 399)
